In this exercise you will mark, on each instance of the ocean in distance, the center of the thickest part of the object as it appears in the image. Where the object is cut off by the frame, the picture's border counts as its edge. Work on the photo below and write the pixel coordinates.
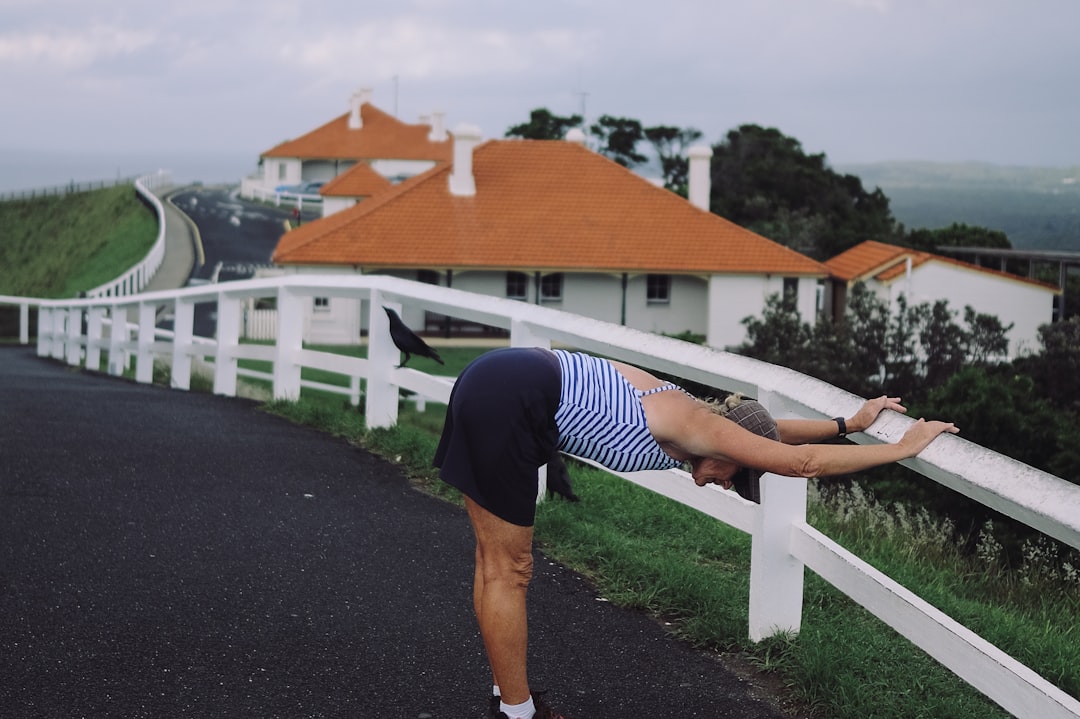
(29, 170)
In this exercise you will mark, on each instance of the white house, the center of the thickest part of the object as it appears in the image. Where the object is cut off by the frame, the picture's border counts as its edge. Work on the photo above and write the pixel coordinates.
(890, 271)
(552, 222)
(365, 138)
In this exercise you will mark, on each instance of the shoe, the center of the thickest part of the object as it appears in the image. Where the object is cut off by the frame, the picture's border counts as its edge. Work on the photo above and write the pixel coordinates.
(543, 711)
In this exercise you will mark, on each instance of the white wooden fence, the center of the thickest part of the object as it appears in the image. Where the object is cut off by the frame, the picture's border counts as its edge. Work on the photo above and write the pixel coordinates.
(136, 278)
(782, 542)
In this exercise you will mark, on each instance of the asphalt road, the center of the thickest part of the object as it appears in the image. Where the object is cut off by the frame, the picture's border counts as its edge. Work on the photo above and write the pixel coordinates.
(274, 571)
(238, 238)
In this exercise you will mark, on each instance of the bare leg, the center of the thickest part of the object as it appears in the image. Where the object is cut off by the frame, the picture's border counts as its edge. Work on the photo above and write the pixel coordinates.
(503, 571)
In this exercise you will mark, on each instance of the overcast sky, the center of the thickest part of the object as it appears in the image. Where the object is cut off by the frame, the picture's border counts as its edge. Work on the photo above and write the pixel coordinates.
(859, 80)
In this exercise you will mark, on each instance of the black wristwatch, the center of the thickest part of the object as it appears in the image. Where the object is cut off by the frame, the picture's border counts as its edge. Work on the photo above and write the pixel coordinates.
(841, 424)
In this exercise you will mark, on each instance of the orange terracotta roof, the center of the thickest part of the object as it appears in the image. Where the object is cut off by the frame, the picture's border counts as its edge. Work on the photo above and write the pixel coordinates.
(539, 205)
(865, 259)
(382, 137)
(887, 263)
(358, 181)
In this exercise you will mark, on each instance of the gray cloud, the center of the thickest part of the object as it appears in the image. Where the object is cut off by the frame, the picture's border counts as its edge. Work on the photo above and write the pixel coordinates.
(860, 80)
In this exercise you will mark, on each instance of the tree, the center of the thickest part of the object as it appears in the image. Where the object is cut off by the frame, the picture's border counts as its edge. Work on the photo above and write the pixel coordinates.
(987, 338)
(942, 342)
(779, 336)
(618, 138)
(543, 125)
(956, 235)
(1056, 369)
(763, 180)
(671, 145)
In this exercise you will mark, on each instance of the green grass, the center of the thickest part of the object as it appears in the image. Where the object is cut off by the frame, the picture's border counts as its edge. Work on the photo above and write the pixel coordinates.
(60, 246)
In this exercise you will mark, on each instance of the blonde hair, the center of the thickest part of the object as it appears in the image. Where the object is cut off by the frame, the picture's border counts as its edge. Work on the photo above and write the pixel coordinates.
(723, 406)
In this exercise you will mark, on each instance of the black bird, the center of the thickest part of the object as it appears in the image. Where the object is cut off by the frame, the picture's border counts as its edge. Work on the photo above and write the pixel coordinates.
(407, 341)
(558, 477)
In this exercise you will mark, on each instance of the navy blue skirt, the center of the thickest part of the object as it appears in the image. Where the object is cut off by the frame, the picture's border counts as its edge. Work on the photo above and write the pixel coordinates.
(500, 429)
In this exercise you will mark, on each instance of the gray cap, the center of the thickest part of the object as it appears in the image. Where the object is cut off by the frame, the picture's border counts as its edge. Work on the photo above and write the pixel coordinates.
(751, 415)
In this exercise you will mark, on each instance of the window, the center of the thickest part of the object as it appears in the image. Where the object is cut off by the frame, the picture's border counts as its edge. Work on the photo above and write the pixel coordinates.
(322, 304)
(551, 287)
(791, 289)
(658, 289)
(517, 285)
(281, 171)
(428, 277)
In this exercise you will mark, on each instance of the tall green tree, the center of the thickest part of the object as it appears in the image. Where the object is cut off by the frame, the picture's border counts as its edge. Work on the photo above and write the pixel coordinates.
(618, 139)
(671, 145)
(765, 181)
(544, 125)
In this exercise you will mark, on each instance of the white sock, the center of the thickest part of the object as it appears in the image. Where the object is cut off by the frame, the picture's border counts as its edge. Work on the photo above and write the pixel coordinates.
(525, 710)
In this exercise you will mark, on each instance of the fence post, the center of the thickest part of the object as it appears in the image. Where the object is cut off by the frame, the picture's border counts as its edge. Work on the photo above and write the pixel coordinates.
(776, 577)
(94, 321)
(24, 324)
(381, 398)
(59, 318)
(228, 338)
(73, 348)
(44, 331)
(144, 362)
(183, 330)
(290, 341)
(118, 339)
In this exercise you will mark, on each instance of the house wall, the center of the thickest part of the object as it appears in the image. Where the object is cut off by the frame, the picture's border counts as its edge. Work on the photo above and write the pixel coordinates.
(319, 170)
(281, 171)
(735, 297)
(401, 169)
(336, 204)
(686, 311)
(1024, 305)
(597, 295)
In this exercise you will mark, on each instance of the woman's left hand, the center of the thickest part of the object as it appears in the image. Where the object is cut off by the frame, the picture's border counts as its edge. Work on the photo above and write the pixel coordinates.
(870, 411)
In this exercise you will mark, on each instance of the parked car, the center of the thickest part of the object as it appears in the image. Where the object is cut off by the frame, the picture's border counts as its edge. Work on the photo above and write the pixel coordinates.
(304, 188)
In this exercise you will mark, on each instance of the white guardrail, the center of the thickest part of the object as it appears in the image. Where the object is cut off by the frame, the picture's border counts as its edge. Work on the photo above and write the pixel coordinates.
(140, 275)
(82, 331)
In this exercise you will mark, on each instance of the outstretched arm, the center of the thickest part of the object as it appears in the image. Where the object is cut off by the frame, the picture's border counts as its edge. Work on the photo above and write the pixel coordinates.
(804, 431)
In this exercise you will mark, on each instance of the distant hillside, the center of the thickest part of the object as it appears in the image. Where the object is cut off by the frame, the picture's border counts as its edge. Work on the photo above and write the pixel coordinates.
(1037, 207)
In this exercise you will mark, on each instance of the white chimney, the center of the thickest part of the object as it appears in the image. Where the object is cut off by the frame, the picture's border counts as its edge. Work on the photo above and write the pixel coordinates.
(700, 179)
(462, 182)
(576, 136)
(356, 120)
(438, 127)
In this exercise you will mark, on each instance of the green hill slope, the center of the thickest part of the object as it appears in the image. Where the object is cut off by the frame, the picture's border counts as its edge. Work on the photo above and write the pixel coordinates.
(60, 246)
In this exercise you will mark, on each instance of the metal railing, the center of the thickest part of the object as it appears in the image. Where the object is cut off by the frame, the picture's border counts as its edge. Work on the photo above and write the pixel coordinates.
(81, 332)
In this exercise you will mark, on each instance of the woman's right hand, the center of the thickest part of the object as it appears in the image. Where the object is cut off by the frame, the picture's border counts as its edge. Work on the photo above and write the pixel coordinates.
(922, 433)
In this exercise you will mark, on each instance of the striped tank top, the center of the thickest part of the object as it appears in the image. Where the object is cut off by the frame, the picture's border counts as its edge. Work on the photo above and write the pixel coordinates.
(600, 416)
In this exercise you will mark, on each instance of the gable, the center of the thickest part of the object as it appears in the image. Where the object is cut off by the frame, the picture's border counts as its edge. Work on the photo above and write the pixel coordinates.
(382, 136)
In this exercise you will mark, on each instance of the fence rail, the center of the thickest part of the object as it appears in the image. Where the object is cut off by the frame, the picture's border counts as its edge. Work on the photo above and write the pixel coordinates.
(69, 188)
(82, 332)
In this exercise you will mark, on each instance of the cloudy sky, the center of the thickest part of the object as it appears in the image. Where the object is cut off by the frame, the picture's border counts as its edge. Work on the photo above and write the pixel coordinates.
(859, 80)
